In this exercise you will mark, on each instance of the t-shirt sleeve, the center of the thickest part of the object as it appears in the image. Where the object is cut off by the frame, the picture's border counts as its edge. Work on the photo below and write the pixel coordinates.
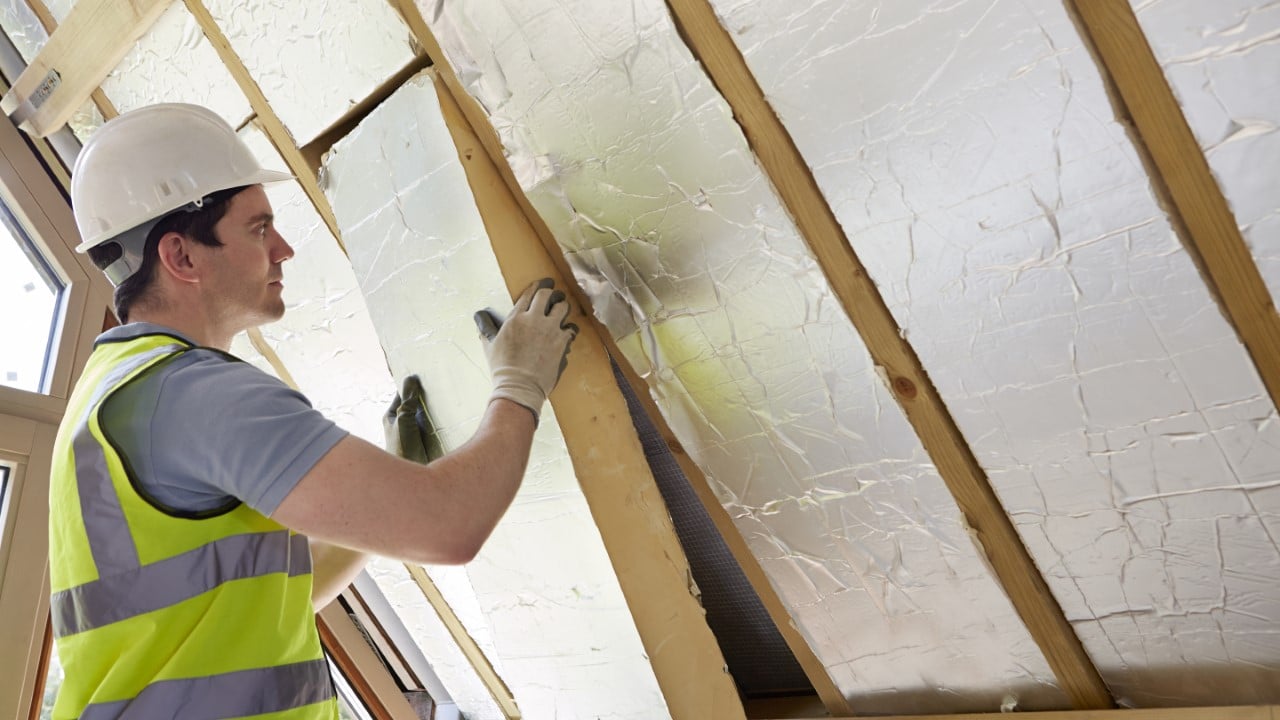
(223, 426)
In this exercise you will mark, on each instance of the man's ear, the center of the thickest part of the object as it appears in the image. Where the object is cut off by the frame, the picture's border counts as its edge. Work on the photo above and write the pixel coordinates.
(174, 254)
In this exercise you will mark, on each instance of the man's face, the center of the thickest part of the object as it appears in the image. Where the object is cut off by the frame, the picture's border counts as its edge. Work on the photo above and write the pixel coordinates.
(247, 283)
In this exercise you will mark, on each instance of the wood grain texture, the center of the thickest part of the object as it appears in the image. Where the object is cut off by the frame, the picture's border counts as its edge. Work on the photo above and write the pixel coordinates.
(266, 116)
(489, 677)
(911, 385)
(80, 52)
(487, 138)
(609, 462)
(1184, 177)
(100, 99)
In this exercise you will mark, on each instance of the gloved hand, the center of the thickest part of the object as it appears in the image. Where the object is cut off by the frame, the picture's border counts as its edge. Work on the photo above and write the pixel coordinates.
(407, 426)
(530, 349)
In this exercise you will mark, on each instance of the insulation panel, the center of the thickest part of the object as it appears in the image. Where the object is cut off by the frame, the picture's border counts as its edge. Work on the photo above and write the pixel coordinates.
(625, 148)
(315, 60)
(1223, 61)
(1003, 212)
(541, 598)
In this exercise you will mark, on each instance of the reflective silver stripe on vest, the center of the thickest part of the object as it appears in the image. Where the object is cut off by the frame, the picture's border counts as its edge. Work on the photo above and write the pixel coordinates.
(158, 585)
(230, 695)
(110, 542)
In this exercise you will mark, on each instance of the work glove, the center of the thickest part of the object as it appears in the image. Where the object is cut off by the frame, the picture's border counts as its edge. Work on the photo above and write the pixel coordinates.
(530, 349)
(407, 426)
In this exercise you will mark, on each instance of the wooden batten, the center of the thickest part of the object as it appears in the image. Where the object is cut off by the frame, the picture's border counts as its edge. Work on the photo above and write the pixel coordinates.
(911, 385)
(609, 461)
(79, 54)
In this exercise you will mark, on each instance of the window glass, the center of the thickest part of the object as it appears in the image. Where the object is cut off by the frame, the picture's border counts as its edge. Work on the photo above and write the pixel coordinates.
(52, 681)
(29, 293)
(350, 706)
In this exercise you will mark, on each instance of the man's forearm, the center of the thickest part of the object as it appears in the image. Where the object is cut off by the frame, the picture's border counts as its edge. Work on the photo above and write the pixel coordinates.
(333, 569)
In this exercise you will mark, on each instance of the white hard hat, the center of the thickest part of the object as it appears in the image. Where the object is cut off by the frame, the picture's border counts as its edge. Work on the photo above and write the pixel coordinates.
(150, 162)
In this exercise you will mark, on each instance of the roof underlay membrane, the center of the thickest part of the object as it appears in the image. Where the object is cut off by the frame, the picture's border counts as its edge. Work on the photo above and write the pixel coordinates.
(971, 154)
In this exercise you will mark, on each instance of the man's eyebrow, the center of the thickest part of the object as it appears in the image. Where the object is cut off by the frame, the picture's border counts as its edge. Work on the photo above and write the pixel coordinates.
(259, 218)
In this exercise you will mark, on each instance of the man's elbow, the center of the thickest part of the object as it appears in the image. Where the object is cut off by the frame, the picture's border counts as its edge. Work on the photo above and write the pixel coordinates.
(446, 551)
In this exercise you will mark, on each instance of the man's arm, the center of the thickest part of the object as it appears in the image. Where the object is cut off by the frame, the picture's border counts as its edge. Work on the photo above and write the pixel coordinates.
(358, 496)
(333, 569)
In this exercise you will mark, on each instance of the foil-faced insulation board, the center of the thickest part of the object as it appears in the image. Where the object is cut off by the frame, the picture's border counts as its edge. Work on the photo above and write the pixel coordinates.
(172, 62)
(314, 60)
(541, 598)
(633, 159)
(1223, 61)
(986, 185)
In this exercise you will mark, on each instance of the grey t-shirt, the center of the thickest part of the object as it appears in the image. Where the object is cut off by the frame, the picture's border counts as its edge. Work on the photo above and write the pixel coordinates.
(205, 430)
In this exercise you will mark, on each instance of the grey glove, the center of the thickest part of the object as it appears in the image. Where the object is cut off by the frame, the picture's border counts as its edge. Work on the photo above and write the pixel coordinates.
(529, 351)
(407, 426)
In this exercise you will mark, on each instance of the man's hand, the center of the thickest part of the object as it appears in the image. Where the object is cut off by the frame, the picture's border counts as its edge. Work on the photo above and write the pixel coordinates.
(407, 426)
(530, 349)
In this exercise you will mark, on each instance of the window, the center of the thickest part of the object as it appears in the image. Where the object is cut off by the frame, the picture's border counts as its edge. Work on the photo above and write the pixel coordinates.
(30, 293)
(52, 681)
(350, 706)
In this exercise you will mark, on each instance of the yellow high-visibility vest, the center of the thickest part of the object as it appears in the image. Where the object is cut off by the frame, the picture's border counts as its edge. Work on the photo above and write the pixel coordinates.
(207, 615)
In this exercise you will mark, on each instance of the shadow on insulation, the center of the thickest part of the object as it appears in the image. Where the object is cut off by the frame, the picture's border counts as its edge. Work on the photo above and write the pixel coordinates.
(758, 658)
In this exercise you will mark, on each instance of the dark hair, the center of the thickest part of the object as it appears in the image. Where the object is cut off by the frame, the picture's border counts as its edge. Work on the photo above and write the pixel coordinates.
(197, 225)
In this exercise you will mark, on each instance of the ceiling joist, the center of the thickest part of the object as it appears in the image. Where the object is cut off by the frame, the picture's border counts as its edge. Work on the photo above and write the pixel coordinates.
(100, 100)
(79, 55)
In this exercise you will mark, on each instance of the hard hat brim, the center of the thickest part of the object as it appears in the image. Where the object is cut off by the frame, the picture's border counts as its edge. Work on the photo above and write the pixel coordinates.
(261, 177)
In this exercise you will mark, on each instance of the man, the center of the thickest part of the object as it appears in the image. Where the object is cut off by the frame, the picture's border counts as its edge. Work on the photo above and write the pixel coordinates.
(200, 510)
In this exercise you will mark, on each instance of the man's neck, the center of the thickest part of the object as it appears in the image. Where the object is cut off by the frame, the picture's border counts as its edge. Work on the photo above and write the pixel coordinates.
(199, 329)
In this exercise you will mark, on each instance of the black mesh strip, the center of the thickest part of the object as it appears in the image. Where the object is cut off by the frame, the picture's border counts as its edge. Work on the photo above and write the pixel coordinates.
(757, 656)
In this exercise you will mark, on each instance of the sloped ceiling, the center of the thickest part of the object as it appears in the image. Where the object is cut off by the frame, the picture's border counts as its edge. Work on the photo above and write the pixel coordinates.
(972, 157)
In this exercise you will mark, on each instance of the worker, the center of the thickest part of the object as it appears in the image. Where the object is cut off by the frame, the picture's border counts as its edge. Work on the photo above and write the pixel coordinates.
(200, 509)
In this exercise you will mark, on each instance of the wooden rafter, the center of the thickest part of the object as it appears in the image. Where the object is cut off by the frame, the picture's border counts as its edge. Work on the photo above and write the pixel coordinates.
(609, 462)
(915, 392)
(488, 141)
(270, 121)
(80, 53)
(50, 24)
(1182, 176)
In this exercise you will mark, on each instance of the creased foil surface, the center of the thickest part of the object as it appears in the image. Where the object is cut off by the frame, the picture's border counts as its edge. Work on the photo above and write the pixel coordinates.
(633, 159)
(314, 59)
(973, 158)
(541, 599)
(1223, 61)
